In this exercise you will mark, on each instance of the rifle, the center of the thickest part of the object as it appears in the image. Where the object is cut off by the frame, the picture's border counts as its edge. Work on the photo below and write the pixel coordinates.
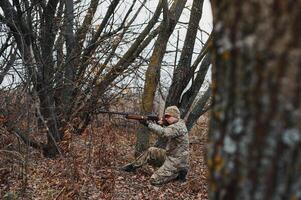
(152, 117)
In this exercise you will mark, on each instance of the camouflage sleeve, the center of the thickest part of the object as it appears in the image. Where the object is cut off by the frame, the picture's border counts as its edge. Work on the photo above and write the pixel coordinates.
(169, 131)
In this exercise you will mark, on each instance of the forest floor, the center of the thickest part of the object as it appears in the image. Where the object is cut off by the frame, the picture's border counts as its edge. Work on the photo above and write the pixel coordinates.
(88, 168)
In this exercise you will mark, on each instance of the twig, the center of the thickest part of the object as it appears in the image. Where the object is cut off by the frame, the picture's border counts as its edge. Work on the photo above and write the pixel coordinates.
(60, 193)
(13, 153)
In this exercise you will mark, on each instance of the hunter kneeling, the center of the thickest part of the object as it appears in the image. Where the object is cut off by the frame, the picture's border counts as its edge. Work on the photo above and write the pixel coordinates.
(173, 162)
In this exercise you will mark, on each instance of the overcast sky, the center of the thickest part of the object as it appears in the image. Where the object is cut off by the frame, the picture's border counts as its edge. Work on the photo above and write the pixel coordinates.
(205, 24)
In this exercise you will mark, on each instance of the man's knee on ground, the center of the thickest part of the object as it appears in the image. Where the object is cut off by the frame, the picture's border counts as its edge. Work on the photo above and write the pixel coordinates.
(156, 152)
(155, 182)
(152, 149)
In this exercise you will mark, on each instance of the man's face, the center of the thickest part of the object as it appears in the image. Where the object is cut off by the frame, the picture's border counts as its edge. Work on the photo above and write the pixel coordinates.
(170, 119)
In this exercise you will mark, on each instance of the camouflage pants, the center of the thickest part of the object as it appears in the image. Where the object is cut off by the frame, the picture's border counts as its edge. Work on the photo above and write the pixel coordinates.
(157, 158)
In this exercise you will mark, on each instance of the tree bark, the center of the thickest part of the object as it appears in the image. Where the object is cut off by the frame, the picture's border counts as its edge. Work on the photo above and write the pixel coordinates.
(255, 133)
(190, 95)
(152, 75)
(70, 65)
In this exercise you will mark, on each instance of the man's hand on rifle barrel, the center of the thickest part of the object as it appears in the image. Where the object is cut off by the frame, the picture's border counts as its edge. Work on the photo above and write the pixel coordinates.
(144, 122)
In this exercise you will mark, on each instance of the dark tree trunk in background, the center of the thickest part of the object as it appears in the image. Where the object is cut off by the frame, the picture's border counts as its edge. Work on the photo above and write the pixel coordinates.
(198, 110)
(190, 95)
(255, 133)
(68, 57)
(184, 71)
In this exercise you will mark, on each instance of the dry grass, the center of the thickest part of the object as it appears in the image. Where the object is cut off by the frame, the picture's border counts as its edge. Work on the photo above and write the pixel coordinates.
(88, 168)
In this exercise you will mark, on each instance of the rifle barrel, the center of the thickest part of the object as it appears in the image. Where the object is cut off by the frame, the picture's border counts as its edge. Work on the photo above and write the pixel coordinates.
(131, 116)
(109, 112)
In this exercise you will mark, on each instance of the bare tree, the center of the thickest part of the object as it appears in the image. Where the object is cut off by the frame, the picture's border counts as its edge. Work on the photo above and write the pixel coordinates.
(255, 135)
(184, 72)
(170, 19)
(187, 71)
(199, 109)
(72, 57)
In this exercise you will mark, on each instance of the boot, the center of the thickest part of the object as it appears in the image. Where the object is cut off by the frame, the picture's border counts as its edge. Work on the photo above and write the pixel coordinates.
(128, 168)
(182, 175)
(156, 183)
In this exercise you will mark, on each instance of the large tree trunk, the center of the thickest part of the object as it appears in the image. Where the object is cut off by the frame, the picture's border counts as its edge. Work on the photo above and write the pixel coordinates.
(70, 65)
(152, 75)
(190, 95)
(184, 72)
(255, 134)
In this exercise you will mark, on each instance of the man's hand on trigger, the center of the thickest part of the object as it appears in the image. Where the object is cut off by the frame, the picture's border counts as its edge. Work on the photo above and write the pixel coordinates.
(161, 121)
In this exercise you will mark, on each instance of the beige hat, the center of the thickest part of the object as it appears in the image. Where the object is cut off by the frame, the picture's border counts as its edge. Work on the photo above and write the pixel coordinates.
(173, 111)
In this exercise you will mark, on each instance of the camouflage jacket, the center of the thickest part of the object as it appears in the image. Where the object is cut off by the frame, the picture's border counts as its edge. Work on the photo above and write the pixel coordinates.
(177, 147)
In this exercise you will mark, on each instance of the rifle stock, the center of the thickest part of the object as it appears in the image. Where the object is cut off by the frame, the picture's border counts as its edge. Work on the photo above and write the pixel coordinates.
(141, 117)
